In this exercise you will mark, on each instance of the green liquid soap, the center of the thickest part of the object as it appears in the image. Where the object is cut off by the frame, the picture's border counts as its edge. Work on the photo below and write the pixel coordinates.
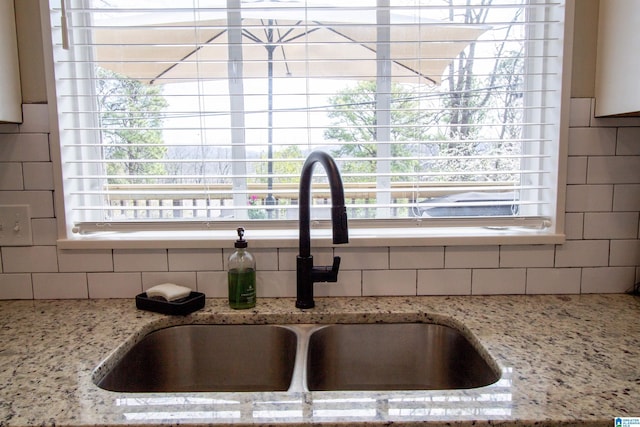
(242, 288)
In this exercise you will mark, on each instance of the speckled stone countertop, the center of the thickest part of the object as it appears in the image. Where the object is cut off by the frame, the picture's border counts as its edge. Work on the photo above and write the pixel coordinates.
(564, 360)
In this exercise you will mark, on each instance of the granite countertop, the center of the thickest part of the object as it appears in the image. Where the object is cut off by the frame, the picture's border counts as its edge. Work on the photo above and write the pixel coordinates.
(564, 359)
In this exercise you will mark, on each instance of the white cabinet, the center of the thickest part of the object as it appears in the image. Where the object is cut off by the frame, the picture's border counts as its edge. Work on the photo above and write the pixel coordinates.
(618, 60)
(10, 92)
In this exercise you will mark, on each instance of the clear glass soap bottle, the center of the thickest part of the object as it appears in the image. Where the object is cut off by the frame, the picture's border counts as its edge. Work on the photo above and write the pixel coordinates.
(242, 275)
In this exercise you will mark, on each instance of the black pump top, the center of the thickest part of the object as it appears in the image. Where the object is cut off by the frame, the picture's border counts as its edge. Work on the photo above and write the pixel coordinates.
(241, 243)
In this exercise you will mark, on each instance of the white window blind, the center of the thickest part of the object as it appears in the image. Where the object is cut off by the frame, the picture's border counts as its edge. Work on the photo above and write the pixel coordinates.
(204, 111)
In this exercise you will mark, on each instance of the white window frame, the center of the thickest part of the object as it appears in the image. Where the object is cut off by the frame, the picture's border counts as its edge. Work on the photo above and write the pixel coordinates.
(370, 233)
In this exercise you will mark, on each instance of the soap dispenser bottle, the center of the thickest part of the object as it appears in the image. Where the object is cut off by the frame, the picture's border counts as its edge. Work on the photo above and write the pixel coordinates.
(242, 275)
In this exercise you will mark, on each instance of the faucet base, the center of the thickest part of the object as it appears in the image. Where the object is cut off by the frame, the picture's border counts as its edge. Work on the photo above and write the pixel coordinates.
(304, 273)
(305, 304)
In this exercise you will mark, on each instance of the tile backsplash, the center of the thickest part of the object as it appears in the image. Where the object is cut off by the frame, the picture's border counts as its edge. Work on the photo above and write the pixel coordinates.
(601, 254)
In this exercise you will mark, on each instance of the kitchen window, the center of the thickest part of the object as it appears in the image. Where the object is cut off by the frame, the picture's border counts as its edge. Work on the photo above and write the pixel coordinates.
(444, 116)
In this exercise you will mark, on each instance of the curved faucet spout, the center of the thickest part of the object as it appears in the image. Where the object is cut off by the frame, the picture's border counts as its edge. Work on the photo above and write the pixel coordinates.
(338, 208)
(307, 274)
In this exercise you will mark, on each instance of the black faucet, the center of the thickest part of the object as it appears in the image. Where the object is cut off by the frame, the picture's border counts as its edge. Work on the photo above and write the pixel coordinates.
(307, 274)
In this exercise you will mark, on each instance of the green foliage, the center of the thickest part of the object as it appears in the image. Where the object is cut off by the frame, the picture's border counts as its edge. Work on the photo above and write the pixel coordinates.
(354, 123)
(283, 165)
(130, 115)
(286, 168)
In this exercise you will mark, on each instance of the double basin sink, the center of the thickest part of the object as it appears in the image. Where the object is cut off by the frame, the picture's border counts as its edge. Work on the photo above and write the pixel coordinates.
(251, 358)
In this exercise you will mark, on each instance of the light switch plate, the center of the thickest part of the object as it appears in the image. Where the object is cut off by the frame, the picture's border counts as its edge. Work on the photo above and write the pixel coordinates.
(15, 225)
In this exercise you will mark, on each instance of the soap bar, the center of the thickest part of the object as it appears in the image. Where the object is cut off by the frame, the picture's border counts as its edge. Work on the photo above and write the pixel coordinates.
(168, 291)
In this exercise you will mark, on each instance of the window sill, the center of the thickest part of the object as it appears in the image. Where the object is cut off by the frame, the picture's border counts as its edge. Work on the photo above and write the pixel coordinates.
(288, 238)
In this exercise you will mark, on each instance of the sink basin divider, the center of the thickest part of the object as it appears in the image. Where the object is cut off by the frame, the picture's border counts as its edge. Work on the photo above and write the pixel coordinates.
(299, 377)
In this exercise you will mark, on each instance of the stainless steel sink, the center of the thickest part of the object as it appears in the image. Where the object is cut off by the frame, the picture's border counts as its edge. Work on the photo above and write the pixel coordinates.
(207, 358)
(401, 356)
(395, 356)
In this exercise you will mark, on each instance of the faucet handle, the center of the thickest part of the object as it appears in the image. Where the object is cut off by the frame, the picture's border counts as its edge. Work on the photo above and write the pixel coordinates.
(326, 273)
(336, 266)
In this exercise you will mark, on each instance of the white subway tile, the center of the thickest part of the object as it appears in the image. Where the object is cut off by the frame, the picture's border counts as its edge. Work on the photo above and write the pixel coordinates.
(85, 260)
(574, 226)
(349, 284)
(444, 282)
(140, 260)
(577, 170)
(266, 258)
(626, 197)
(213, 284)
(611, 225)
(580, 112)
(38, 176)
(472, 257)
(114, 285)
(498, 281)
(592, 141)
(16, 286)
(389, 282)
(60, 286)
(363, 258)
(36, 118)
(11, 176)
(589, 198)
(287, 257)
(29, 259)
(276, 284)
(628, 142)
(9, 128)
(24, 148)
(416, 257)
(44, 231)
(607, 279)
(553, 280)
(41, 202)
(527, 256)
(613, 170)
(182, 278)
(582, 253)
(624, 253)
(195, 259)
